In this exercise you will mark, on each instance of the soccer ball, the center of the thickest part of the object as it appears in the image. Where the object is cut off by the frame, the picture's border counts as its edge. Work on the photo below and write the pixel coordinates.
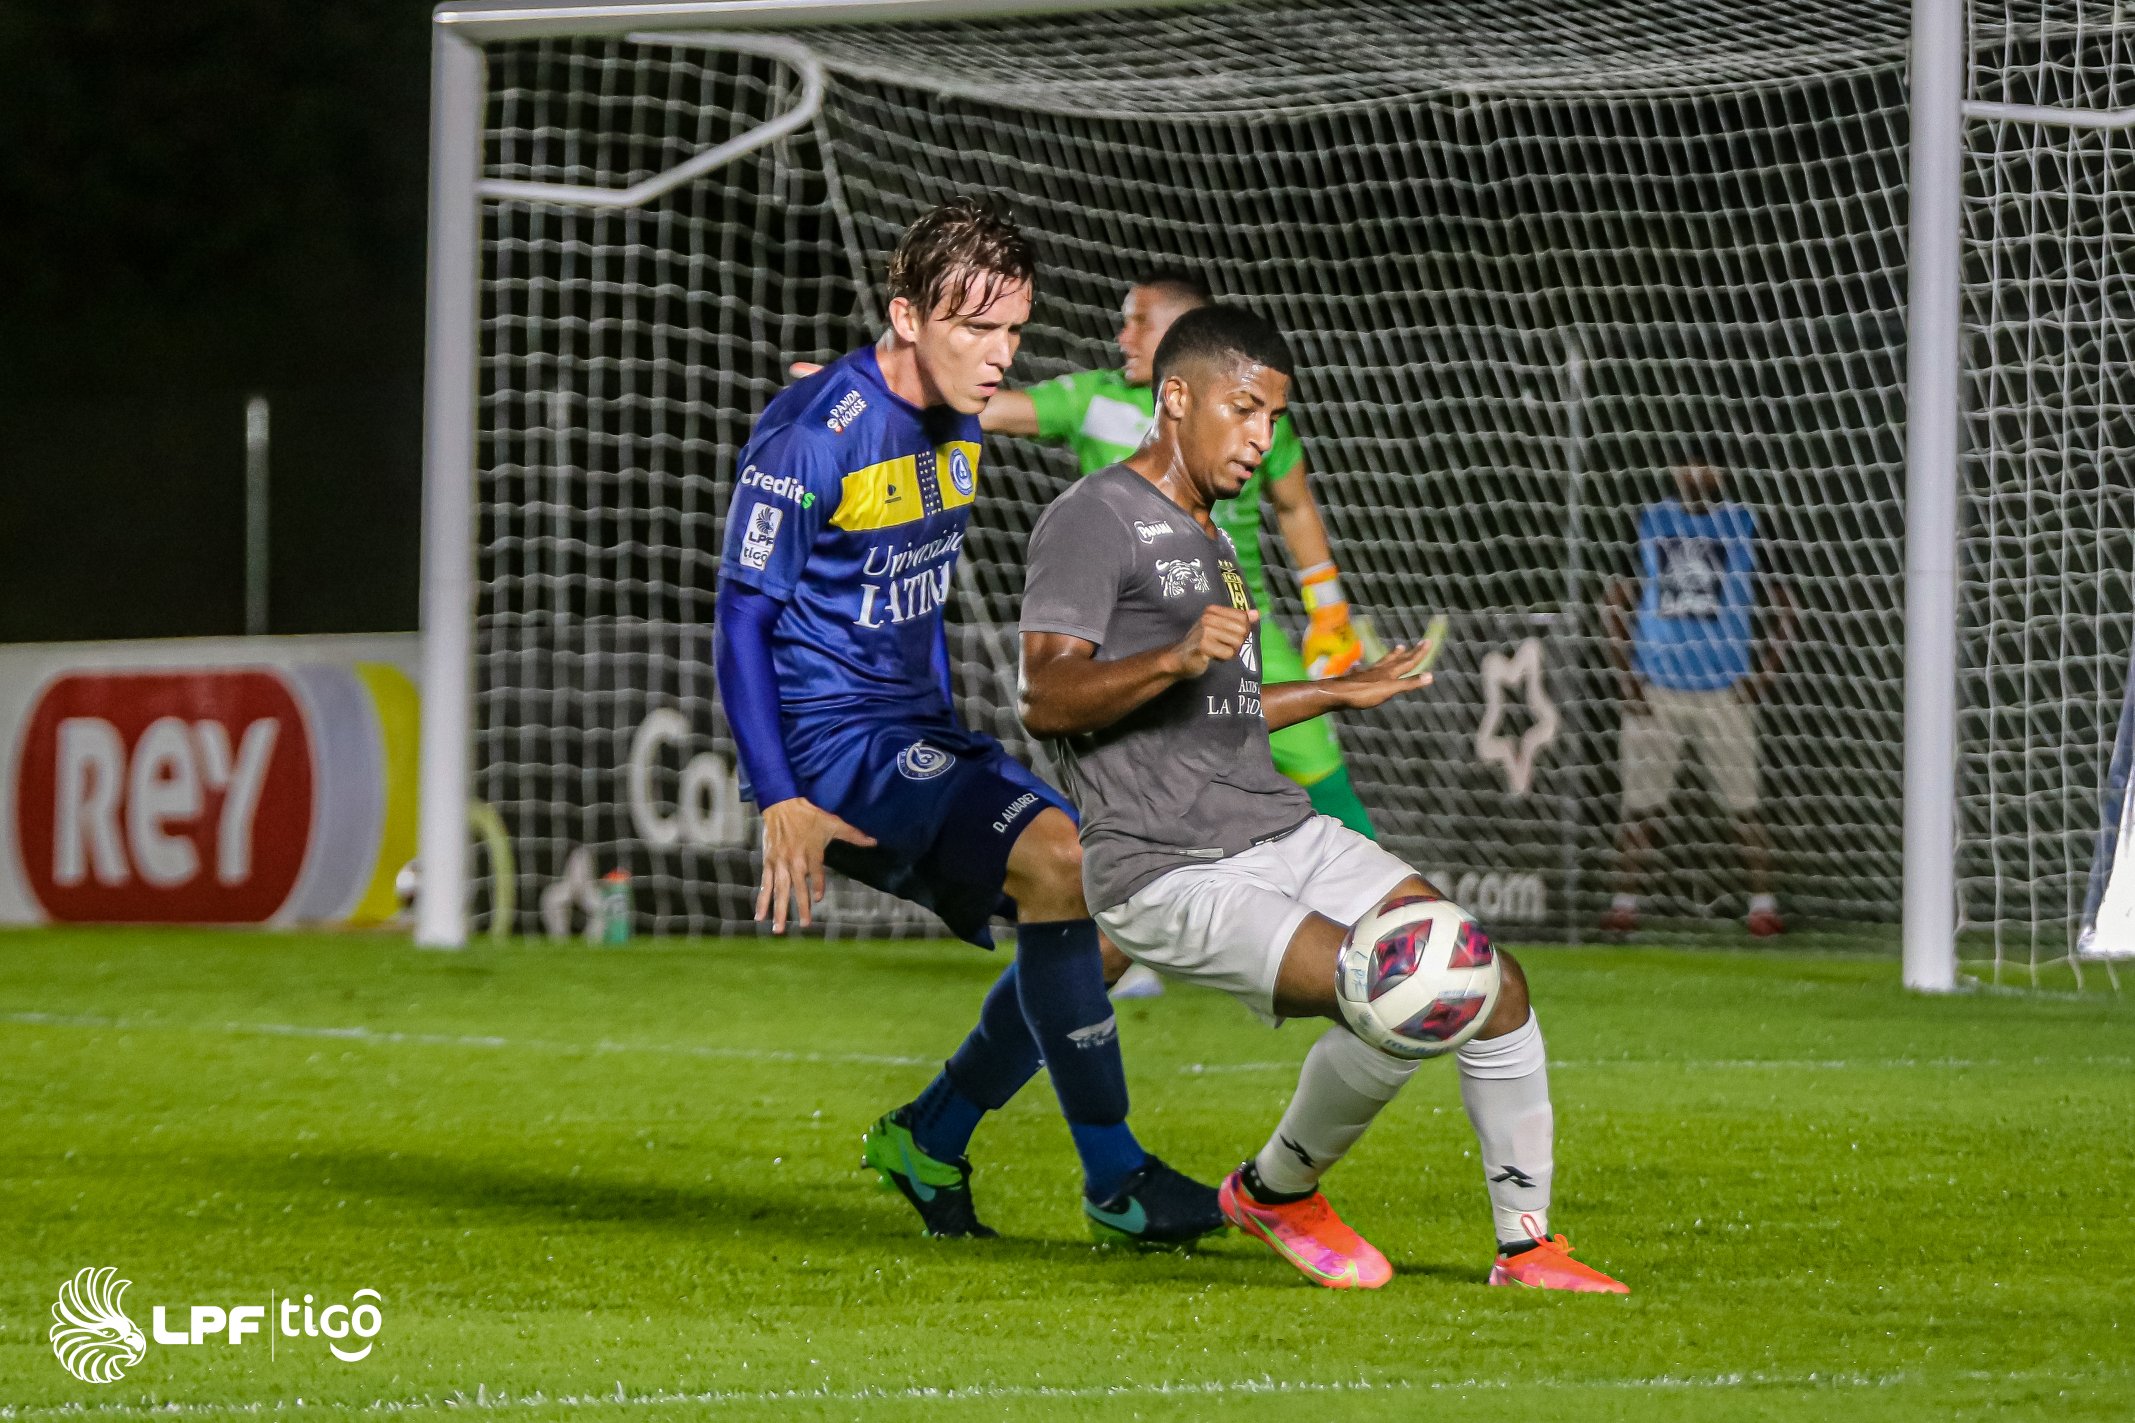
(1418, 978)
(408, 885)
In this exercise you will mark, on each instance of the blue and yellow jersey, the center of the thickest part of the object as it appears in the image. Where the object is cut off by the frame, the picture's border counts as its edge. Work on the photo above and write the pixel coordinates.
(849, 507)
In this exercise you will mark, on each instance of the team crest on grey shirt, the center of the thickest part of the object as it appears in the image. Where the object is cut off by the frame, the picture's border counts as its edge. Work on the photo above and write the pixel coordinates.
(1181, 576)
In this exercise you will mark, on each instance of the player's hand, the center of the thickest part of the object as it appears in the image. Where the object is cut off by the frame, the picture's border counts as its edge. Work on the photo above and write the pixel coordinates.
(1385, 679)
(1332, 646)
(1216, 638)
(796, 831)
(800, 369)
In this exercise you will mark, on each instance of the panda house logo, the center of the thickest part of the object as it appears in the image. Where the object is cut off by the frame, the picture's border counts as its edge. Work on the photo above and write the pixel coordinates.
(91, 1336)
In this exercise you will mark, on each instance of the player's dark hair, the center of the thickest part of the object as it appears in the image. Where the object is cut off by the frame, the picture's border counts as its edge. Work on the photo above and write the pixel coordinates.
(1221, 332)
(1180, 282)
(961, 255)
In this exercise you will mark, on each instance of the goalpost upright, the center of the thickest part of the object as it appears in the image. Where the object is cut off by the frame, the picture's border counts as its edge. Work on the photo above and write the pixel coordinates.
(1929, 923)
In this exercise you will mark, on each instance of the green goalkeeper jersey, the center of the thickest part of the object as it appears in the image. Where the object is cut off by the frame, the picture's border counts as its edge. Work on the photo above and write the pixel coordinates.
(1104, 420)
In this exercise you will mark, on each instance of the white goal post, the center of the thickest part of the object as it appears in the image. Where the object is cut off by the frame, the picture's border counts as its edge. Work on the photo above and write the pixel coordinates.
(1532, 256)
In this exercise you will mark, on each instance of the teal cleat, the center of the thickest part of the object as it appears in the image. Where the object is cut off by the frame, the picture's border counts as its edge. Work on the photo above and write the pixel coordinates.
(1156, 1209)
(939, 1190)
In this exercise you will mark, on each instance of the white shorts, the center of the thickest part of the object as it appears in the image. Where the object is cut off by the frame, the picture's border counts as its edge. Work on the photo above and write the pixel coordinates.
(1716, 725)
(1227, 924)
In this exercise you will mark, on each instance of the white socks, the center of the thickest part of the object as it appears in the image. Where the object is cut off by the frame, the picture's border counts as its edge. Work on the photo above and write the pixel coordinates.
(1344, 1084)
(1504, 1084)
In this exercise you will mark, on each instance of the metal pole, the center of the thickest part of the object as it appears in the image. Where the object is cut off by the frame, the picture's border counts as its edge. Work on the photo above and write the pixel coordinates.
(1571, 620)
(450, 391)
(1931, 489)
(256, 516)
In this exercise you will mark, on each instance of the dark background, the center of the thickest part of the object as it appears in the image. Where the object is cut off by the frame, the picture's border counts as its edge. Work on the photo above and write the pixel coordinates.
(204, 202)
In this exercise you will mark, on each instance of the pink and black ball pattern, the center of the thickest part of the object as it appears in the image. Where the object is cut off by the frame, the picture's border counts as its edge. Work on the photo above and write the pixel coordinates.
(1395, 959)
(1417, 977)
(1443, 1020)
(1395, 956)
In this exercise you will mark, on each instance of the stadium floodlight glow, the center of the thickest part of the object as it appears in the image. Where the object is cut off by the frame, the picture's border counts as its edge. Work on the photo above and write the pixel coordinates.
(1530, 255)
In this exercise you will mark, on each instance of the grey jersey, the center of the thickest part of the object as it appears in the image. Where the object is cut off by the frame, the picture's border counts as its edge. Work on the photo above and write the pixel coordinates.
(1185, 778)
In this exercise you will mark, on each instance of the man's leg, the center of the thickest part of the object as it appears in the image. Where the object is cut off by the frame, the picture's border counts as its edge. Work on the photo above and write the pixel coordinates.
(1650, 751)
(1061, 986)
(988, 1067)
(1729, 750)
(1504, 1087)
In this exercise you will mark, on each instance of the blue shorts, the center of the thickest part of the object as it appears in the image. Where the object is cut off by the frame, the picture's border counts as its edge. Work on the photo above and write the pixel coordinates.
(945, 806)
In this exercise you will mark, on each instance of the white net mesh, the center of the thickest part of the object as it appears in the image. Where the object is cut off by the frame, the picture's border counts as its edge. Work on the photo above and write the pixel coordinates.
(1530, 255)
(1440, 205)
(2050, 396)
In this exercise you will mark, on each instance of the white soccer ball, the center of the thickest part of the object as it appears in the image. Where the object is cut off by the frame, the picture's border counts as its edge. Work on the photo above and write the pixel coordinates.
(1418, 978)
(408, 885)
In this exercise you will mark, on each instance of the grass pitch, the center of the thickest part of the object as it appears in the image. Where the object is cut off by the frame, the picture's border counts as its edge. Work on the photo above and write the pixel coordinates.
(622, 1184)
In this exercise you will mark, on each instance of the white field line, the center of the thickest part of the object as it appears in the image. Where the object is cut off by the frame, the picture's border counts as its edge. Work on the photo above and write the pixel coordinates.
(484, 1399)
(387, 1037)
(383, 1036)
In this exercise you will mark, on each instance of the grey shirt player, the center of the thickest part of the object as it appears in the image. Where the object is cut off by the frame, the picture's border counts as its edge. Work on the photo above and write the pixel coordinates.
(1186, 777)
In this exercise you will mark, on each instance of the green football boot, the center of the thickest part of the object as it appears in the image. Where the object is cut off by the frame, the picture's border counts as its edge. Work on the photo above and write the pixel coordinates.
(939, 1190)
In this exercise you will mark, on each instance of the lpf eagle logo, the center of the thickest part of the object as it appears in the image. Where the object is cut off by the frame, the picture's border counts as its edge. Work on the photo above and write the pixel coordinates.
(91, 1336)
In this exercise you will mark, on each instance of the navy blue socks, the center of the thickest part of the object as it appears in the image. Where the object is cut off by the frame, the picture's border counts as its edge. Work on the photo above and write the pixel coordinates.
(988, 1068)
(1061, 984)
(1051, 1000)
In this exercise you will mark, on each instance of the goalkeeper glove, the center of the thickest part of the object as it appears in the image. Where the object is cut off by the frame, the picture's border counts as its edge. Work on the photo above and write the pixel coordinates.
(1331, 643)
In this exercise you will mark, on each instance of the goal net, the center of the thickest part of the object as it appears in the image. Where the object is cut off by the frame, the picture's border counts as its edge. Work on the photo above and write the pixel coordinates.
(2047, 564)
(1532, 257)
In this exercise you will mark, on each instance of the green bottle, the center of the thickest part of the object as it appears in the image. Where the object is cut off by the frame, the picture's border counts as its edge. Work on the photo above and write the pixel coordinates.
(616, 910)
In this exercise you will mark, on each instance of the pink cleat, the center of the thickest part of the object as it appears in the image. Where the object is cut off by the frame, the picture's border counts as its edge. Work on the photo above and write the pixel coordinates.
(1550, 1266)
(1309, 1235)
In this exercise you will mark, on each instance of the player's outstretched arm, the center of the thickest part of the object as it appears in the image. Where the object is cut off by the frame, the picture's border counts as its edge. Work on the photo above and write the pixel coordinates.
(1010, 412)
(1067, 692)
(1287, 703)
(795, 830)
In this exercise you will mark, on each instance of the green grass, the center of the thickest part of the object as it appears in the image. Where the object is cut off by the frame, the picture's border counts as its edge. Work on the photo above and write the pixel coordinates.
(578, 1176)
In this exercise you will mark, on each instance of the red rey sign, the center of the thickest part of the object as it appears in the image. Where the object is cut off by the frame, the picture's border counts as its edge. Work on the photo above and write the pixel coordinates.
(170, 797)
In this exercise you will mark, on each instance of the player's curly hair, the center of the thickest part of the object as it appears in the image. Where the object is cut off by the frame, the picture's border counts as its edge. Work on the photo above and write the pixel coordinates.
(960, 255)
(1222, 332)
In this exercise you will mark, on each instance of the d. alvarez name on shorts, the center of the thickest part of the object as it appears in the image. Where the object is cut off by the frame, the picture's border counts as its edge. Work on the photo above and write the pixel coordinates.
(893, 593)
(1014, 811)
